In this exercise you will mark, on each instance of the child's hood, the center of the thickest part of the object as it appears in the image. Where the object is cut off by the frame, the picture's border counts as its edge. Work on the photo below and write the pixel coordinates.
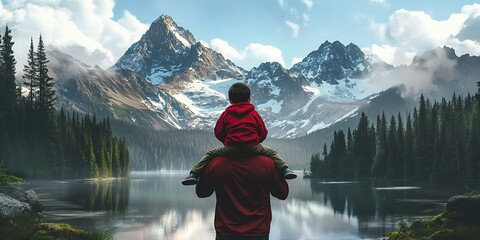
(240, 109)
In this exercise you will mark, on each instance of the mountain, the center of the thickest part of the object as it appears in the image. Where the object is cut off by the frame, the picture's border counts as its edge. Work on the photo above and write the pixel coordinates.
(119, 94)
(168, 80)
(334, 62)
(169, 54)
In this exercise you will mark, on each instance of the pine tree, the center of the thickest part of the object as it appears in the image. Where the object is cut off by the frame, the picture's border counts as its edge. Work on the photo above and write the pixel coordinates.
(8, 99)
(400, 148)
(46, 91)
(409, 166)
(349, 158)
(391, 153)
(420, 140)
(8, 94)
(30, 75)
(361, 143)
(379, 166)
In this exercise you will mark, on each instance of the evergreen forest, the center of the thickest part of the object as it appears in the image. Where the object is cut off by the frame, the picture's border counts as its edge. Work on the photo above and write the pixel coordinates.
(439, 141)
(38, 141)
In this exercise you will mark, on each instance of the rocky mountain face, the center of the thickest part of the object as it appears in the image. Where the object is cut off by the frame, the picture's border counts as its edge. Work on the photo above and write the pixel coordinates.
(169, 54)
(168, 80)
(120, 94)
(334, 62)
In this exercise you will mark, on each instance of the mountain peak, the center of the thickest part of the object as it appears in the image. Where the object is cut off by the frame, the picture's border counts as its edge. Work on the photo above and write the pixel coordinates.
(445, 53)
(168, 53)
(166, 31)
(332, 62)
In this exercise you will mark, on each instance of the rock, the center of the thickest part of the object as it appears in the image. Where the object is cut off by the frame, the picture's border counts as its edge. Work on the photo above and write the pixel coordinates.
(466, 208)
(11, 207)
(17, 219)
(26, 196)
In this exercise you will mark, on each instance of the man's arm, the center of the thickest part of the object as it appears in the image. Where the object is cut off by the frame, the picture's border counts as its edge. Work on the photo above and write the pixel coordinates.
(278, 186)
(204, 186)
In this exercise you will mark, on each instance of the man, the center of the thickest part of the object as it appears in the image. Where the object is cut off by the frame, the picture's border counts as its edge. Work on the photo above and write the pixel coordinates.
(242, 187)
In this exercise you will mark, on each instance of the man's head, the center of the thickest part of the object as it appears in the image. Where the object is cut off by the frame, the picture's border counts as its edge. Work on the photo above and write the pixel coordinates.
(239, 92)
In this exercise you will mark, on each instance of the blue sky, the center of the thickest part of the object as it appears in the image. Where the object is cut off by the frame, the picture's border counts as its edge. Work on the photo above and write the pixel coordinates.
(250, 31)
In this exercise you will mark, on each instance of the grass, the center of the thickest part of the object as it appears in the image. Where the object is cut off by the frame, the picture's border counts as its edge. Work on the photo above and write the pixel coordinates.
(444, 226)
(58, 231)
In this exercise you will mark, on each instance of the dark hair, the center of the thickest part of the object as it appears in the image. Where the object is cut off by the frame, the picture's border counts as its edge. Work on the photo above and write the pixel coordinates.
(239, 92)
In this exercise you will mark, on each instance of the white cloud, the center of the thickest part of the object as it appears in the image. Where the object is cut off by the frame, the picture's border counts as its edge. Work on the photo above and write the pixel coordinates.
(408, 32)
(226, 50)
(83, 28)
(251, 56)
(379, 1)
(309, 3)
(296, 60)
(294, 27)
(264, 53)
(392, 55)
(407, 27)
(281, 3)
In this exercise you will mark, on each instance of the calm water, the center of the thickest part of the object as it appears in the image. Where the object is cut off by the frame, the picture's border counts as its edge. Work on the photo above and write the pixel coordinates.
(154, 205)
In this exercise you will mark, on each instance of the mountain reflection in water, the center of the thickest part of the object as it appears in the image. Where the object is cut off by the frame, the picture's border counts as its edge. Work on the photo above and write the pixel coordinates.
(154, 205)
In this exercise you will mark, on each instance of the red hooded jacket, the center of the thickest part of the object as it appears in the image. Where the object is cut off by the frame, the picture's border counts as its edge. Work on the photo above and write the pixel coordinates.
(240, 125)
(242, 187)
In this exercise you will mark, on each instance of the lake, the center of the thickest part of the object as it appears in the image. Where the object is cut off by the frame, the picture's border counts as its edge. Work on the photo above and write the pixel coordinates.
(155, 205)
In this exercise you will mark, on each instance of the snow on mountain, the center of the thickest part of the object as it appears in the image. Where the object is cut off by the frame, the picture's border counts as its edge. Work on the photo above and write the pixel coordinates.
(167, 53)
(168, 80)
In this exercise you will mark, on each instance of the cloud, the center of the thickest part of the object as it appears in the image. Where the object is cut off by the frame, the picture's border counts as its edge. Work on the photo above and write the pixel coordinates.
(407, 32)
(83, 28)
(281, 3)
(296, 60)
(408, 27)
(309, 3)
(226, 50)
(379, 1)
(294, 27)
(393, 55)
(427, 76)
(251, 56)
(264, 53)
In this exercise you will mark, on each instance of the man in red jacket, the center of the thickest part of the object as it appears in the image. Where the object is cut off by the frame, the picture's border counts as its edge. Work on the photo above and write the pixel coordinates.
(242, 187)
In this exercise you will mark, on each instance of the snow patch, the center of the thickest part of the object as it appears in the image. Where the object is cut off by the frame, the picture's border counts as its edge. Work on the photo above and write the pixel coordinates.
(274, 105)
(318, 126)
(178, 36)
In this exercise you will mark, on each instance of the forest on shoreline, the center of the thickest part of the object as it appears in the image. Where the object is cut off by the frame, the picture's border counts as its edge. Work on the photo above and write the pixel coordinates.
(38, 141)
(440, 141)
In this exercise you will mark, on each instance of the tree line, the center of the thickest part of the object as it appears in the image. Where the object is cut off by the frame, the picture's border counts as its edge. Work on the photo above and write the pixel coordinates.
(38, 141)
(440, 141)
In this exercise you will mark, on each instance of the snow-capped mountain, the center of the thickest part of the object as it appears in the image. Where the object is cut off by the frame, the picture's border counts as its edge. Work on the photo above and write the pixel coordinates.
(168, 80)
(167, 53)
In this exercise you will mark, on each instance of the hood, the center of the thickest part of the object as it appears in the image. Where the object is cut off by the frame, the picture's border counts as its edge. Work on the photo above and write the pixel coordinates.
(240, 109)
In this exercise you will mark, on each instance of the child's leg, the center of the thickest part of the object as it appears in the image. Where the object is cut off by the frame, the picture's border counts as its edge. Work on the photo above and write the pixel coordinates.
(197, 168)
(261, 149)
(209, 156)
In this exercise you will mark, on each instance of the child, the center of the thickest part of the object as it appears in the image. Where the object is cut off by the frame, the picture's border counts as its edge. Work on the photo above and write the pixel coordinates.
(241, 130)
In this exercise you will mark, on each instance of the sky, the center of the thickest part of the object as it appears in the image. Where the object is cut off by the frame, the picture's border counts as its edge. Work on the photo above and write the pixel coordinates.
(248, 32)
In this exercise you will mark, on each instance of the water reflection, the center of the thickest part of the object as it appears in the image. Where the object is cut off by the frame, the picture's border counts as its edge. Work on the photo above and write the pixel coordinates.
(156, 206)
(109, 196)
(378, 205)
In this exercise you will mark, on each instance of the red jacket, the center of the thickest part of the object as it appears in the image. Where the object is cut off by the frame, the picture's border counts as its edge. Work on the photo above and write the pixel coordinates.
(242, 187)
(240, 125)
